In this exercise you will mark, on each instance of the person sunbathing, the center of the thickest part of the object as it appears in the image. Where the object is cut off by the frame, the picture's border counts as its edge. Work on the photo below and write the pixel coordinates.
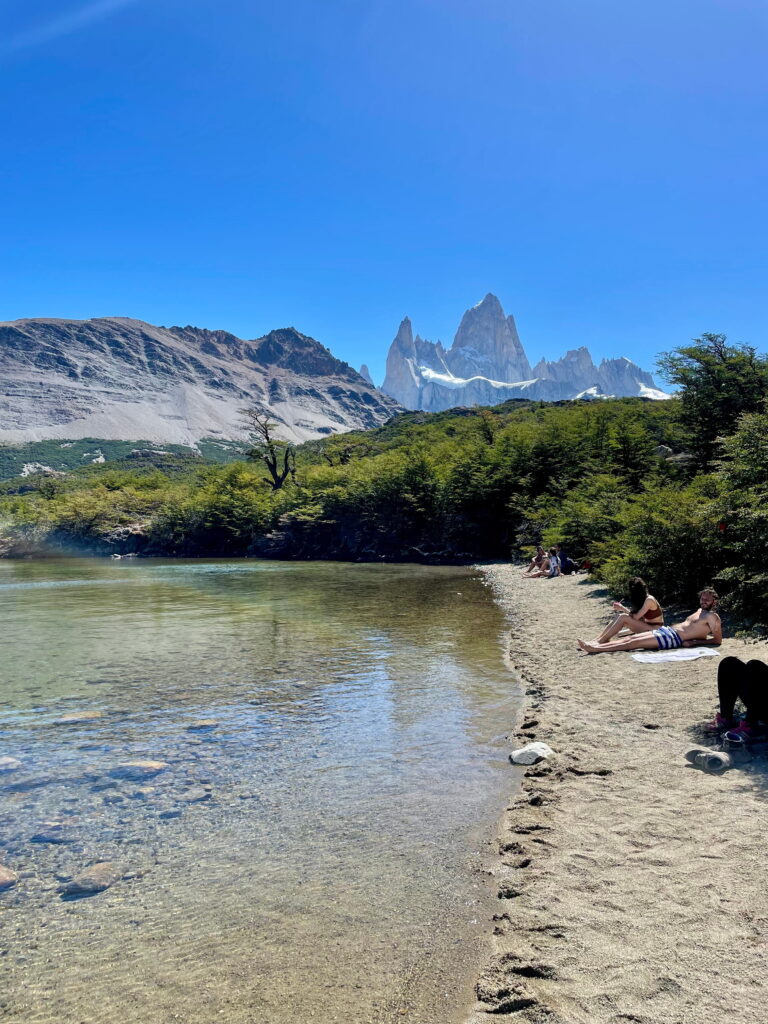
(536, 562)
(644, 613)
(702, 627)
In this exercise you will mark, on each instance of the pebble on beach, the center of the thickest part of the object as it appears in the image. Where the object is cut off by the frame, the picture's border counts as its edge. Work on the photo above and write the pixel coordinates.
(96, 878)
(7, 878)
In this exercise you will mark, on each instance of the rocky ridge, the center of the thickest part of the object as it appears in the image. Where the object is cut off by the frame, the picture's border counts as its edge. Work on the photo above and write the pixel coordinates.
(118, 378)
(486, 365)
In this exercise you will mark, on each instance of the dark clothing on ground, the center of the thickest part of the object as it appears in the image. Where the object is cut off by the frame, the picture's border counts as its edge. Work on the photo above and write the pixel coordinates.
(746, 681)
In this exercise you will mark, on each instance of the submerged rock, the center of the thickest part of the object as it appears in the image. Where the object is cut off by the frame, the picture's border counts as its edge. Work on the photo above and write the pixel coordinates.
(30, 783)
(9, 764)
(196, 794)
(52, 833)
(77, 717)
(142, 793)
(202, 725)
(138, 769)
(7, 878)
(96, 878)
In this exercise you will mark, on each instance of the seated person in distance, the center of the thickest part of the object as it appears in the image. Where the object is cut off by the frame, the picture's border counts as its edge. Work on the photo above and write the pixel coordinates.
(536, 562)
(551, 567)
(702, 627)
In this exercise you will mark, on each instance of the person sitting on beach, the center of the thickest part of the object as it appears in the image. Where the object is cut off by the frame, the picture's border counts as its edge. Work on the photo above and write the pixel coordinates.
(550, 568)
(747, 682)
(536, 562)
(702, 627)
(644, 613)
(567, 565)
(554, 563)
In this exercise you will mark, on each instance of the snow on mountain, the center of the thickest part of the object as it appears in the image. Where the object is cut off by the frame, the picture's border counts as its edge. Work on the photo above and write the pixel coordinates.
(487, 364)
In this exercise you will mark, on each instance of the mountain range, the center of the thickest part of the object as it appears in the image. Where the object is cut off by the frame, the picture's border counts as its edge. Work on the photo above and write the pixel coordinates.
(487, 364)
(117, 378)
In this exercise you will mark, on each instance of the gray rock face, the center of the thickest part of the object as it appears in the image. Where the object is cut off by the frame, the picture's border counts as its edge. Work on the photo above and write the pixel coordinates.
(117, 378)
(402, 377)
(487, 365)
(487, 344)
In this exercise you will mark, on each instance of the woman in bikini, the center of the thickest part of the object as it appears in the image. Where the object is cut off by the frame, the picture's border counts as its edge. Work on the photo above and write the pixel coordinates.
(536, 562)
(644, 613)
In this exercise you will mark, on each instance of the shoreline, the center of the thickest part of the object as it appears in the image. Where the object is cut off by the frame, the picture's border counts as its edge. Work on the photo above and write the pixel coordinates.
(630, 886)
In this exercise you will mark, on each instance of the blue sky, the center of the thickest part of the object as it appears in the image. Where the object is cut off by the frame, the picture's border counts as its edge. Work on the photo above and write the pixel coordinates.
(335, 165)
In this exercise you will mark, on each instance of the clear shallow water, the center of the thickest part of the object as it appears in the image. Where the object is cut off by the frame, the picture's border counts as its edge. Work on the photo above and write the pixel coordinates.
(306, 859)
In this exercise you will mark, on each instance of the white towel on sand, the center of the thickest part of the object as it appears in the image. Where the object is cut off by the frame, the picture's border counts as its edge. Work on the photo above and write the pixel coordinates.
(681, 654)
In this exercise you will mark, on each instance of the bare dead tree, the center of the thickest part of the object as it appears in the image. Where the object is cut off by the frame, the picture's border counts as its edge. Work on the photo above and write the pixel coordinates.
(278, 456)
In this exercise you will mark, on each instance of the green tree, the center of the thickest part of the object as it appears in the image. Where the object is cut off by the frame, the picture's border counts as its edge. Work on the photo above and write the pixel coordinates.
(718, 382)
(743, 517)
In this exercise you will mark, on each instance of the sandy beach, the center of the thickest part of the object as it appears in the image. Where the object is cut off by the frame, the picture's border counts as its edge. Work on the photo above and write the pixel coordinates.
(631, 885)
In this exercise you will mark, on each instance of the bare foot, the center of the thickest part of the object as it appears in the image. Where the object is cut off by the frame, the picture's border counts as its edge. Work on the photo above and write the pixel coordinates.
(589, 648)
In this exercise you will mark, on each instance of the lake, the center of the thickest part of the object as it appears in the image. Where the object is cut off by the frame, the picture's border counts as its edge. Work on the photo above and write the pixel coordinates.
(334, 758)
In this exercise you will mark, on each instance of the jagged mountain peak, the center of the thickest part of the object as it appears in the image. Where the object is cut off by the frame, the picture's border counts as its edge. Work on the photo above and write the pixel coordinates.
(289, 348)
(491, 303)
(487, 364)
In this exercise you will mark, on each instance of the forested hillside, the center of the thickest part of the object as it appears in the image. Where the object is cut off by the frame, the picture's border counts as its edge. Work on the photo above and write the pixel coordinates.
(673, 491)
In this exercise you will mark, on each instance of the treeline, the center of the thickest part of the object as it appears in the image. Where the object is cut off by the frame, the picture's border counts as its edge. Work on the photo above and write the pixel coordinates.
(673, 491)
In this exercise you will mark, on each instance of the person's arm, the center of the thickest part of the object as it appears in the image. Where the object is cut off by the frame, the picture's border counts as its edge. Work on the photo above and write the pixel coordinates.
(647, 605)
(713, 640)
(716, 631)
(619, 607)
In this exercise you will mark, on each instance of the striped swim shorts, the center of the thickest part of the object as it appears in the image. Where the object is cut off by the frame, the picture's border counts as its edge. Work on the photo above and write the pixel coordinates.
(669, 639)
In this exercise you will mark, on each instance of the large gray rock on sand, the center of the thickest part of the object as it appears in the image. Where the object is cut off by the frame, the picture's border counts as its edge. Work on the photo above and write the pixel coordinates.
(531, 754)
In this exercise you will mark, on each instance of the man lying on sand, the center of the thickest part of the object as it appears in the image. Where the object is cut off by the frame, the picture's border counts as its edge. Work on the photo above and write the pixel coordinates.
(702, 627)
